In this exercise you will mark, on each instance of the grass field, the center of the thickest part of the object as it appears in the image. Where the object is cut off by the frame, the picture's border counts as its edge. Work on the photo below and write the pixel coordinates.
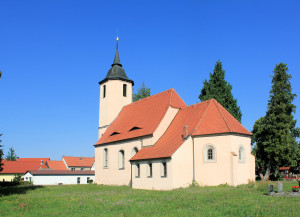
(95, 200)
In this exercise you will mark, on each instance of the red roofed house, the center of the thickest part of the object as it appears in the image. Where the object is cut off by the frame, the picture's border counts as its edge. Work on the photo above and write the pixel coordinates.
(78, 163)
(56, 165)
(161, 143)
(19, 167)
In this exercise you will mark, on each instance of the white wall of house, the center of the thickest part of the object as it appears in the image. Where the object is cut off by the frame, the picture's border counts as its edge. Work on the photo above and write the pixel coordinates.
(226, 168)
(158, 181)
(112, 175)
(56, 179)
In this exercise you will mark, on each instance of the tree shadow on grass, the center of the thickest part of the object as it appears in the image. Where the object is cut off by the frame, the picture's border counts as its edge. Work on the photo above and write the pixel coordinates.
(9, 190)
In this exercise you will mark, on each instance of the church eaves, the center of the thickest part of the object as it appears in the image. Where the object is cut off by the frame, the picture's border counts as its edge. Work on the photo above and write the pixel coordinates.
(116, 72)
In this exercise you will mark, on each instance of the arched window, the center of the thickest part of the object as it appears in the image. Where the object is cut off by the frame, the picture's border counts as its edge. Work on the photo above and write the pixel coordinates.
(209, 154)
(137, 170)
(134, 151)
(105, 158)
(125, 90)
(104, 91)
(121, 160)
(242, 154)
(149, 170)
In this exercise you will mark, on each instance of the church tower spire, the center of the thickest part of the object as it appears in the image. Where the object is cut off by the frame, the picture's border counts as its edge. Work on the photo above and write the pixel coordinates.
(115, 92)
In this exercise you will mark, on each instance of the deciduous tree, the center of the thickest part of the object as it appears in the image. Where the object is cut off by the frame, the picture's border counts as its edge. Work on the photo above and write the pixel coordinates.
(220, 90)
(11, 155)
(142, 93)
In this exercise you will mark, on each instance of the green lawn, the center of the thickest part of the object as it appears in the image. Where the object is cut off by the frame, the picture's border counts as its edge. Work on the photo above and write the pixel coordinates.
(94, 200)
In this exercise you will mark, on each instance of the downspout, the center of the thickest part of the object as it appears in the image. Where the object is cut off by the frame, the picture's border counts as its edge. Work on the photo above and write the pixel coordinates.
(131, 174)
(193, 160)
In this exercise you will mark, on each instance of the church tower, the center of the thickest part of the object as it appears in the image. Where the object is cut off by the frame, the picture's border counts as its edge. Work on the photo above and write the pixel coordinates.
(115, 92)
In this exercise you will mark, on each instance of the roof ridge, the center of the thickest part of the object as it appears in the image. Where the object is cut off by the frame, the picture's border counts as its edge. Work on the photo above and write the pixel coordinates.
(147, 98)
(209, 102)
(222, 115)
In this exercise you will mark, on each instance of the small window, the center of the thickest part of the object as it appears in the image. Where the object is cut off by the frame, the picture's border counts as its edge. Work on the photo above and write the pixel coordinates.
(163, 169)
(87, 180)
(149, 170)
(209, 154)
(72, 169)
(134, 151)
(105, 158)
(104, 91)
(121, 160)
(137, 171)
(82, 168)
(78, 180)
(125, 90)
(241, 154)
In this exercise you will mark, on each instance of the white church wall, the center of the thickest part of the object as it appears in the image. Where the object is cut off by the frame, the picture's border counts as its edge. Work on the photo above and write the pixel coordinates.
(112, 175)
(157, 181)
(182, 165)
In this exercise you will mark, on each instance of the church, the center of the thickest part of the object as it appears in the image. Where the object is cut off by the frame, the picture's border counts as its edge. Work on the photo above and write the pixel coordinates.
(161, 143)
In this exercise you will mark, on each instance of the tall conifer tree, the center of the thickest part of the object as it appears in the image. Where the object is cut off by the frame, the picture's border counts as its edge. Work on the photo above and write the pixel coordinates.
(220, 90)
(275, 134)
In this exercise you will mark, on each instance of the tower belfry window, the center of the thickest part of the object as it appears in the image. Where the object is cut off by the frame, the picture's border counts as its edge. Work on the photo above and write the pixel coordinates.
(104, 91)
(124, 90)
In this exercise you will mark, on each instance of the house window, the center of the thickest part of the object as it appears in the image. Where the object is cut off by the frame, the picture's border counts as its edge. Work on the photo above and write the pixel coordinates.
(134, 151)
(105, 158)
(72, 169)
(137, 171)
(121, 160)
(241, 154)
(82, 168)
(87, 180)
(78, 180)
(163, 169)
(209, 154)
(149, 170)
(125, 90)
(104, 91)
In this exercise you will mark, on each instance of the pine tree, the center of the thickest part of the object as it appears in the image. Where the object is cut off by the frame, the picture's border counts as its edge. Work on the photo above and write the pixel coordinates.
(220, 90)
(142, 93)
(275, 134)
(11, 156)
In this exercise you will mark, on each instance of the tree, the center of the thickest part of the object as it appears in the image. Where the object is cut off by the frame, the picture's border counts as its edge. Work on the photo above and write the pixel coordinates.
(274, 135)
(220, 90)
(142, 93)
(11, 156)
(1, 154)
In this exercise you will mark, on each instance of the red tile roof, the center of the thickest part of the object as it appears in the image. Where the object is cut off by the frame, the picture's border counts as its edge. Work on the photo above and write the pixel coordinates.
(12, 167)
(61, 172)
(34, 159)
(57, 165)
(145, 114)
(284, 168)
(79, 161)
(208, 117)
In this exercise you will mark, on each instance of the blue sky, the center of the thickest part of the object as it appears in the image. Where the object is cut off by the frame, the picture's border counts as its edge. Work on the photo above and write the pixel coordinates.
(54, 53)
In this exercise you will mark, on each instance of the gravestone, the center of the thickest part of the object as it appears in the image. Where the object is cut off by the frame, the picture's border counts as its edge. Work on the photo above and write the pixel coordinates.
(270, 188)
(280, 187)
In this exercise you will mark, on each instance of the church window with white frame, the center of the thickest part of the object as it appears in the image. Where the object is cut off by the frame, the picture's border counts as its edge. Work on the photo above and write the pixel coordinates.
(121, 160)
(149, 170)
(134, 151)
(105, 158)
(209, 154)
(163, 169)
(137, 170)
(242, 156)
